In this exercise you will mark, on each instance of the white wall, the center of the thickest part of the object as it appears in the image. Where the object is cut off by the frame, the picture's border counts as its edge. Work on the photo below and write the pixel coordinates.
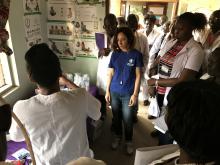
(169, 10)
(81, 65)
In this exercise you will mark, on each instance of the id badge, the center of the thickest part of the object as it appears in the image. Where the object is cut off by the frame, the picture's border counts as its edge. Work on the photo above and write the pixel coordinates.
(165, 68)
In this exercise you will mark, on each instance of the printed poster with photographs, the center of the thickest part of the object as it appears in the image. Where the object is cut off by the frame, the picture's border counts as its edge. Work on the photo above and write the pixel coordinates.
(60, 30)
(31, 6)
(62, 48)
(61, 11)
(32, 30)
(74, 24)
(85, 47)
(88, 20)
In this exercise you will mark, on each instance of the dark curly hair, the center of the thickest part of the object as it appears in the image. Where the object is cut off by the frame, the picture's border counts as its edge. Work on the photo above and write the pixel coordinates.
(128, 33)
(43, 65)
(193, 119)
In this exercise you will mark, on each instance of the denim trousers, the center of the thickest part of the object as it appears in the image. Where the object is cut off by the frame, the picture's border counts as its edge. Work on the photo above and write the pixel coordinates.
(122, 114)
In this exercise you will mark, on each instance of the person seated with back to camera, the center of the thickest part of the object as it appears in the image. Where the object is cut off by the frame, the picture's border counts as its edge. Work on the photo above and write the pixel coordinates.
(193, 122)
(54, 119)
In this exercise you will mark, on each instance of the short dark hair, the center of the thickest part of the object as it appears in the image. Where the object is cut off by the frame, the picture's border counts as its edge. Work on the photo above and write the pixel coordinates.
(132, 22)
(110, 19)
(198, 21)
(193, 119)
(43, 65)
(128, 33)
(150, 17)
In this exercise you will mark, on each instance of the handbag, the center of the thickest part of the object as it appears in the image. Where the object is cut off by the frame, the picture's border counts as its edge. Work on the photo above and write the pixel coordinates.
(154, 109)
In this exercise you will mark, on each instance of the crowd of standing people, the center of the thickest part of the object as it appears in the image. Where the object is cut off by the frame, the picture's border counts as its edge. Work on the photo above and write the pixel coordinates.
(162, 62)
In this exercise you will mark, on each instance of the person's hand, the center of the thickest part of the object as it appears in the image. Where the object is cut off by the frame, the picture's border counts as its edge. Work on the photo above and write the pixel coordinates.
(104, 52)
(37, 91)
(152, 91)
(151, 82)
(63, 81)
(107, 98)
(133, 101)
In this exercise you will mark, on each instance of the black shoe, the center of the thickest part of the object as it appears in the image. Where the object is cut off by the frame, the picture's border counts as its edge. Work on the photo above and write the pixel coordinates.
(146, 102)
(155, 133)
(151, 117)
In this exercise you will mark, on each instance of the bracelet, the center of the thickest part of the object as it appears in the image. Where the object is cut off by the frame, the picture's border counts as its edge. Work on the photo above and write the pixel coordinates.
(156, 83)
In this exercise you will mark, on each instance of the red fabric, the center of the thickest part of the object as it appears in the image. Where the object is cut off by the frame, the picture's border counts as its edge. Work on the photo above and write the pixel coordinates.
(168, 59)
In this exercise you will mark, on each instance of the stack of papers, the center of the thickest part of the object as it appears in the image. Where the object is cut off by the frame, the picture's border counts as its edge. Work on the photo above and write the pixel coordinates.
(160, 124)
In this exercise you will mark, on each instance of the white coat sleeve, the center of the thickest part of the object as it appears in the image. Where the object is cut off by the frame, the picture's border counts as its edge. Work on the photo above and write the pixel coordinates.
(15, 132)
(93, 107)
(195, 59)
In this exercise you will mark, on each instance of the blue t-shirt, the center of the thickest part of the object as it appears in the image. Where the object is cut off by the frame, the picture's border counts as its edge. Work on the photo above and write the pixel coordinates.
(124, 65)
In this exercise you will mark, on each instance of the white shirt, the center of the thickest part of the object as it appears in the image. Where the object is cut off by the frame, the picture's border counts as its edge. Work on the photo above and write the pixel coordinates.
(141, 44)
(158, 44)
(151, 37)
(190, 57)
(102, 71)
(56, 124)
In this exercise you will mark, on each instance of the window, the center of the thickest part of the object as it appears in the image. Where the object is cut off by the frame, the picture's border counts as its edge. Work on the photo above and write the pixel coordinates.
(7, 69)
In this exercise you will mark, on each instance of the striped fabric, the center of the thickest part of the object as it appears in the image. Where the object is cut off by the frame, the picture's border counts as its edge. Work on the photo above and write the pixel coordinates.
(166, 64)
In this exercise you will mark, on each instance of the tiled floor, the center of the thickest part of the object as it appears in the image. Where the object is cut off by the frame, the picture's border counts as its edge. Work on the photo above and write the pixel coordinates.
(141, 138)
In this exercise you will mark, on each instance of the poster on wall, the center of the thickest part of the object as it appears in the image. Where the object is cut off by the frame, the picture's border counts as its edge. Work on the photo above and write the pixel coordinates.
(62, 48)
(31, 6)
(32, 28)
(85, 47)
(60, 30)
(61, 11)
(76, 23)
(85, 29)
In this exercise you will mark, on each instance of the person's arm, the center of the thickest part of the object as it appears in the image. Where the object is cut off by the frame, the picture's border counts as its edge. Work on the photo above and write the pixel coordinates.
(186, 75)
(65, 82)
(109, 79)
(154, 67)
(145, 51)
(134, 96)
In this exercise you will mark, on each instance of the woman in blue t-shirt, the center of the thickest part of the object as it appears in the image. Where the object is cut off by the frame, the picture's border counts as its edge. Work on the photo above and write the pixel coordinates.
(123, 85)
